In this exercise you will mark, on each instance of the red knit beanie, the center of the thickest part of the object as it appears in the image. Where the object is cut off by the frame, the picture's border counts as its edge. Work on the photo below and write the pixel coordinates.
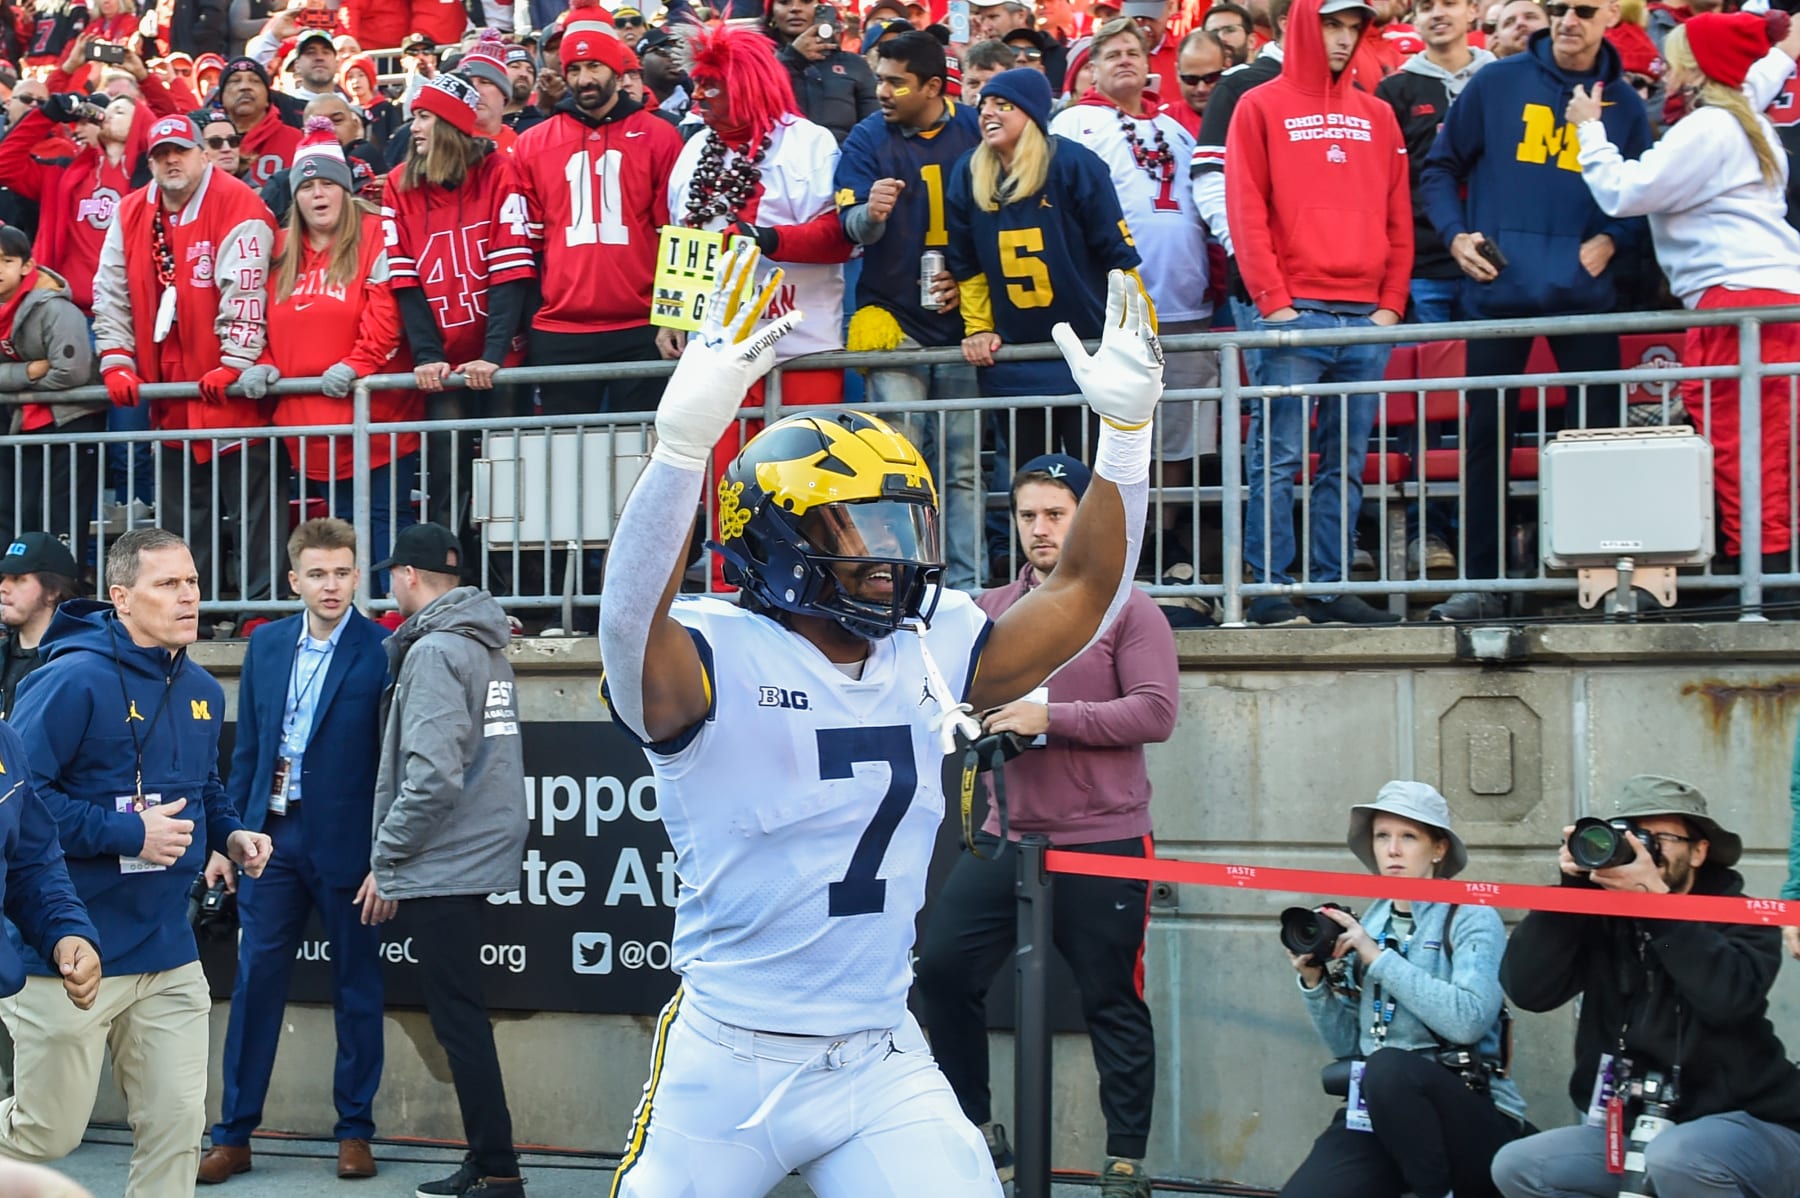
(1727, 45)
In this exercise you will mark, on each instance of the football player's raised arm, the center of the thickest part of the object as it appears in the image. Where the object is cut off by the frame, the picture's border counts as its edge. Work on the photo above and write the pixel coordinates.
(654, 681)
(1122, 384)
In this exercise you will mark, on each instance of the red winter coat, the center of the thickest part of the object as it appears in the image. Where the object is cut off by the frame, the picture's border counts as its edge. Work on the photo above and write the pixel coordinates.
(221, 242)
(1316, 184)
(319, 326)
(75, 202)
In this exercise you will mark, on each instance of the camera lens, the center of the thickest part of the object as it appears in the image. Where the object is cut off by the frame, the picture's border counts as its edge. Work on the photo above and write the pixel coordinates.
(1596, 844)
(1305, 932)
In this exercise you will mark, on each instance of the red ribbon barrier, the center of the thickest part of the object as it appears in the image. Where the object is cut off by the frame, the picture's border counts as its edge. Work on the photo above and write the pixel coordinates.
(1704, 908)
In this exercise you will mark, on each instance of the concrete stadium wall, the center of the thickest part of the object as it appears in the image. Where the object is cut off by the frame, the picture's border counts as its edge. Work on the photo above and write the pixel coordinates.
(1281, 730)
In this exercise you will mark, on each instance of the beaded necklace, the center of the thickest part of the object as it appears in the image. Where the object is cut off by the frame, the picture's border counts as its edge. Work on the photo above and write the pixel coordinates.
(720, 190)
(1157, 162)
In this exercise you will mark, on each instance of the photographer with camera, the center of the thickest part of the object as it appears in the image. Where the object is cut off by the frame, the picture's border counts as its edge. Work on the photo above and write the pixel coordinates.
(1676, 1063)
(1408, 998)
(1085, 786)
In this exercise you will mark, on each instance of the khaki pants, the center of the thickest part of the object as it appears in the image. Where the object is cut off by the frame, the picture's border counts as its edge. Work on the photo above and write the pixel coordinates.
(156, 1026)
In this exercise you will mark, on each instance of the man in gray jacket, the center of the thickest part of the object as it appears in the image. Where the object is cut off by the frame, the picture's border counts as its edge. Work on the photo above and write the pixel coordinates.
(45, 346)
(450, 821)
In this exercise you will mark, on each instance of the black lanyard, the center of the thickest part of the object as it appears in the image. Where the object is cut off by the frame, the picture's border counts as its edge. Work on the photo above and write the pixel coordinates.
(137, 744)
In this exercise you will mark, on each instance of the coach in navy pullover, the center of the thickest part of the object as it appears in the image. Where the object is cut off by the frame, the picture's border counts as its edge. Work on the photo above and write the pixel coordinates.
(122, 733)
(77, 714)
(1505, 139)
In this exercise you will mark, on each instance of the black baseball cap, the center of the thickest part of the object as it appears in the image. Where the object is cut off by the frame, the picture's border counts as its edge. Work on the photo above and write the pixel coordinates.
(426, 547)
(658, 39)
(38, 553)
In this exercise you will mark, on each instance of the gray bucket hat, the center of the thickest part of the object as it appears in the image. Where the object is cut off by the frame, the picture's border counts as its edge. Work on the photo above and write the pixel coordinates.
(1653, 794)
(1417, 801)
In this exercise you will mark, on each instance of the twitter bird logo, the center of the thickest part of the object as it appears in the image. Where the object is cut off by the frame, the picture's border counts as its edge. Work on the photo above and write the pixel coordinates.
(591, 952)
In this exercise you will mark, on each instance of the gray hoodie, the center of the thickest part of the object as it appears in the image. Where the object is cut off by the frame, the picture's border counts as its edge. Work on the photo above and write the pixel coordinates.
(48, 326)
(450, 791)
(1453, 82)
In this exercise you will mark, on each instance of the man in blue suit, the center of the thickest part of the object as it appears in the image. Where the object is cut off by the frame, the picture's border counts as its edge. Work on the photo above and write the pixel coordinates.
(313, 679)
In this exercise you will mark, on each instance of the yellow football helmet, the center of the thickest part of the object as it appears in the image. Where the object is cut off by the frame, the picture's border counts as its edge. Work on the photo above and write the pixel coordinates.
(832, 516)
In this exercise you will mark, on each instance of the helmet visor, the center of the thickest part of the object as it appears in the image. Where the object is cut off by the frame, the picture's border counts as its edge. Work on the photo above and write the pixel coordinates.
(882, 530)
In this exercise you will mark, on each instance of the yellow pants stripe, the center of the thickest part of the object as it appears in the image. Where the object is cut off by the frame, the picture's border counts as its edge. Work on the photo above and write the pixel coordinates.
(640, 1124)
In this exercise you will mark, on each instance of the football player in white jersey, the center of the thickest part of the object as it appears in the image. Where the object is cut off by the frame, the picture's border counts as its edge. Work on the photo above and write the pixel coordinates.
(798, 737)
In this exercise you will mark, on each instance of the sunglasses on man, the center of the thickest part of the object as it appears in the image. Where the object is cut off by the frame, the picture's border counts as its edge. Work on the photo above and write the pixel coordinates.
(221, 143)
(1586, 12)
(1211, 77)
(628, 23)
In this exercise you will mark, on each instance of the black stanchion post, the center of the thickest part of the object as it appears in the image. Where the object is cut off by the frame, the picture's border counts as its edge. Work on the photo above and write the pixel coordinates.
(1031, 1047)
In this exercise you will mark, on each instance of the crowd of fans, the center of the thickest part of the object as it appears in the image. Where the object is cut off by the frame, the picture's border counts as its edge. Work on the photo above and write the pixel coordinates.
(444, 184)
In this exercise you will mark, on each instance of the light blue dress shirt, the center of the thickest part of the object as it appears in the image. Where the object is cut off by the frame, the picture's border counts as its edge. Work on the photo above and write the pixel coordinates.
(306, 681)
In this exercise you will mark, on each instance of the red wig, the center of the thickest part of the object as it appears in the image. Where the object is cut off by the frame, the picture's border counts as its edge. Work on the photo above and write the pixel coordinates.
(757, 90)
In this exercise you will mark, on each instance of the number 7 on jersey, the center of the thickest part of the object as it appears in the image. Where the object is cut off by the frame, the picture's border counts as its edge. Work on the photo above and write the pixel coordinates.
(860, 891)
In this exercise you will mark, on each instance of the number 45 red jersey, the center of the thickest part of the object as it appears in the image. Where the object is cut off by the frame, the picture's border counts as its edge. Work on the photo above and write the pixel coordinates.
(598, 198)
(455, 243)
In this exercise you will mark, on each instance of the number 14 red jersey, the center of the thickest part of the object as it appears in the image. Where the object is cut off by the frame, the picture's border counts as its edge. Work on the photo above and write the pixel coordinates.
(598, 198)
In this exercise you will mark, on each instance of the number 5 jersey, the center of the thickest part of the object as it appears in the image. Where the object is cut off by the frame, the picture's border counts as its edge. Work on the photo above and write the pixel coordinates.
(596, 191)
(1041, 260)
(803, 809)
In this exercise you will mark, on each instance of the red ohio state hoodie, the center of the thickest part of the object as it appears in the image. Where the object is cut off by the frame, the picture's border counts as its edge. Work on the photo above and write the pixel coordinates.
(1316, 184)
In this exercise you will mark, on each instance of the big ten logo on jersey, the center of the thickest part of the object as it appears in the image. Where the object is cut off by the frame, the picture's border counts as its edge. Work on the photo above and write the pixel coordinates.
(498, 715)
(775, 696)
(453, 268)
(97, 209)
(582, 807)
(1544, 140)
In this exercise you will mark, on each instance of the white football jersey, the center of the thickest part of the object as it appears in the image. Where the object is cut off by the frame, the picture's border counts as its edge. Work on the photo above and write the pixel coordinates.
(1164, 223)
(803, 810)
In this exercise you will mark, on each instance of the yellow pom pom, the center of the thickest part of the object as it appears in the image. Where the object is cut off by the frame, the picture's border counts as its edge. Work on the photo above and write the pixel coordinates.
(873, 329)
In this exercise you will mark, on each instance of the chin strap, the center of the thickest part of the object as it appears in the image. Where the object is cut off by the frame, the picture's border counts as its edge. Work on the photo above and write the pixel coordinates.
(967, 752)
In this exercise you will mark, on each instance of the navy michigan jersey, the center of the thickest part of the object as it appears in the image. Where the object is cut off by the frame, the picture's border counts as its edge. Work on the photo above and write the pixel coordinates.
(803, 809)
(1045, 259)
(923, 161)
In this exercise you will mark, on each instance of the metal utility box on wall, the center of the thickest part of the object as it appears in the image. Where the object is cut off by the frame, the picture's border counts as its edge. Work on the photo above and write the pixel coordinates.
(556, 486)
(1642, 493)
(1625, 507)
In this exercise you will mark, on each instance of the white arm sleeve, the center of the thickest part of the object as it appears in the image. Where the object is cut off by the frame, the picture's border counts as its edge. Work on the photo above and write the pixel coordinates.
(650, 541)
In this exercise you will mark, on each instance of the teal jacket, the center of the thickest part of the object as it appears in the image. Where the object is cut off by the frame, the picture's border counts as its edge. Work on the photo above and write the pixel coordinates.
(1454, 994)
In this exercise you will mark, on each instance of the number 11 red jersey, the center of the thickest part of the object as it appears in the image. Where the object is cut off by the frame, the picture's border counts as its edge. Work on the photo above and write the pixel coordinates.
(598, 198)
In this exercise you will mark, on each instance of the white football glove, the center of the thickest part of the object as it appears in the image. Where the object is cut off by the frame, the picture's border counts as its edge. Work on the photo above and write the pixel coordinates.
(721, 362)
(1123, 382)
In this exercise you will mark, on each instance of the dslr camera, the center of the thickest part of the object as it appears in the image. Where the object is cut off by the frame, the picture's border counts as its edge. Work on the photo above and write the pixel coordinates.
(1602, 844)
(1307, 932)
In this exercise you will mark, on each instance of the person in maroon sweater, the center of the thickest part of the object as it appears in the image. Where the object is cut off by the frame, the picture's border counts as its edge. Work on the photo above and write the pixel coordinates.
(1085, 786)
